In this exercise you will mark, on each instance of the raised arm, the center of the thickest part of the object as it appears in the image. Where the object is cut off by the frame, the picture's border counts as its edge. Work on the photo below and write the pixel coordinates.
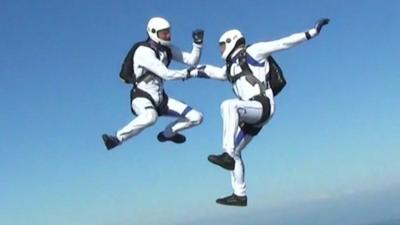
(192, 58)
(263, 49)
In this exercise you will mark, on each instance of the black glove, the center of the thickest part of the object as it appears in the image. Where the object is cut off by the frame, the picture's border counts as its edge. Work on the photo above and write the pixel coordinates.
(198, 35)
(320, 23)
(188, 73)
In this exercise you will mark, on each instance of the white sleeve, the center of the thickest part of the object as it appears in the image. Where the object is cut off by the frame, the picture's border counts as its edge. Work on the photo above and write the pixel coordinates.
(261, 50)
(146, 58)
(187, 58)
(213, 72)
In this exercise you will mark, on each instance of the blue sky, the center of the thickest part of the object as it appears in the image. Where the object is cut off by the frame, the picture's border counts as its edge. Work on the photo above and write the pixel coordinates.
(334, 134)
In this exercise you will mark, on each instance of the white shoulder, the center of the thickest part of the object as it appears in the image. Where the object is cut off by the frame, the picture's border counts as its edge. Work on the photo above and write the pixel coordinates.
(144, 51)
(258, 50)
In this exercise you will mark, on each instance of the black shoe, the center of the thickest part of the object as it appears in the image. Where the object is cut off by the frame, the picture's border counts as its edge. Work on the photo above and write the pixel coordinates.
(224, 160)
(177, 138)
(233, 200)
(110, 141)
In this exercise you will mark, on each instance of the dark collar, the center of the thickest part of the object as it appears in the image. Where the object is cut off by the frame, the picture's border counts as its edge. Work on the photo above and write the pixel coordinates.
(157, 46)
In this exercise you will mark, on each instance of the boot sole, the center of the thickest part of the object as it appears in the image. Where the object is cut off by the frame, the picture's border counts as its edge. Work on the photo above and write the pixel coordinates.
(231, 204)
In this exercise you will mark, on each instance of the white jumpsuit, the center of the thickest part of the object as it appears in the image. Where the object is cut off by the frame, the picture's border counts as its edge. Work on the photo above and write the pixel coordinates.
(145, 60)
(243, 108)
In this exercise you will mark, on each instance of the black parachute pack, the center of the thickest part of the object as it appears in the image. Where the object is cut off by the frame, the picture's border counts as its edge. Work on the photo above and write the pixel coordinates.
(276, 79)
(275, 75)
(127, 73)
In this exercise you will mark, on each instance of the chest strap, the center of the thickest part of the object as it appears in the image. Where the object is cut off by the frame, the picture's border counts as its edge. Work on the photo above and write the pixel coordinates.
(246, 72)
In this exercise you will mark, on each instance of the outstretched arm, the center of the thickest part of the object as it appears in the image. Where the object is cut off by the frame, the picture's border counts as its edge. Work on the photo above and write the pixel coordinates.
(263, 49)
(146, 59)
(209, 72)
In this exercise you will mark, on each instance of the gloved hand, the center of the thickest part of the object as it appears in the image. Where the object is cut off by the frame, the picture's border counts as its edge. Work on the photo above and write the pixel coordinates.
(188, 73)
(320, 23)
(198, 72)
(317, 28)
(192, 71)
(198, 36)
(195, 71)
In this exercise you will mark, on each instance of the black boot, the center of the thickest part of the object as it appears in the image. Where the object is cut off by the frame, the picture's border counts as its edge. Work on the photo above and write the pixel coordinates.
(110, 141)
(233, 200)
(177, 138)
(224, 160)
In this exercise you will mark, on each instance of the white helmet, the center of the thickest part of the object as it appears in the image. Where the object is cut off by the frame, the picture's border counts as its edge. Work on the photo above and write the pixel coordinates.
(154, 26)
(228, 42)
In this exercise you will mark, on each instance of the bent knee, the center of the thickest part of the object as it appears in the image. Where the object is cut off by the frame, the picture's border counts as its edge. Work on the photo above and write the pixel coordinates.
(228, 105)
(149, 117)
(195, 117)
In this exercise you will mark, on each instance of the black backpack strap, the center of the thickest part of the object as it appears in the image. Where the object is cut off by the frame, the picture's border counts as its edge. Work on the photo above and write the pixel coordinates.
(157, 48)
(169, 56)
(157, 51)
(228, 71)
(242, 63)
(248, 73)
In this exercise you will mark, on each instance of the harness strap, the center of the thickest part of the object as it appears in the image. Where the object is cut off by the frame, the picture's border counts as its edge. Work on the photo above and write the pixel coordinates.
(254, 129)
(246, 71)
(157, 48)
(266, 107)
(161, 109)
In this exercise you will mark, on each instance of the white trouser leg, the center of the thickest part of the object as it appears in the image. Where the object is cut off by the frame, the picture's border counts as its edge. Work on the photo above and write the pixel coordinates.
(146, 116)
(186, 117)
(234, 111)
(237, 175)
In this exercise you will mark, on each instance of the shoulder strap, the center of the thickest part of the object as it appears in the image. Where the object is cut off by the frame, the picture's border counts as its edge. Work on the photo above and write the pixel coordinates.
(156, 51)
(242, 63)
(247, 72)
(169, 56)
